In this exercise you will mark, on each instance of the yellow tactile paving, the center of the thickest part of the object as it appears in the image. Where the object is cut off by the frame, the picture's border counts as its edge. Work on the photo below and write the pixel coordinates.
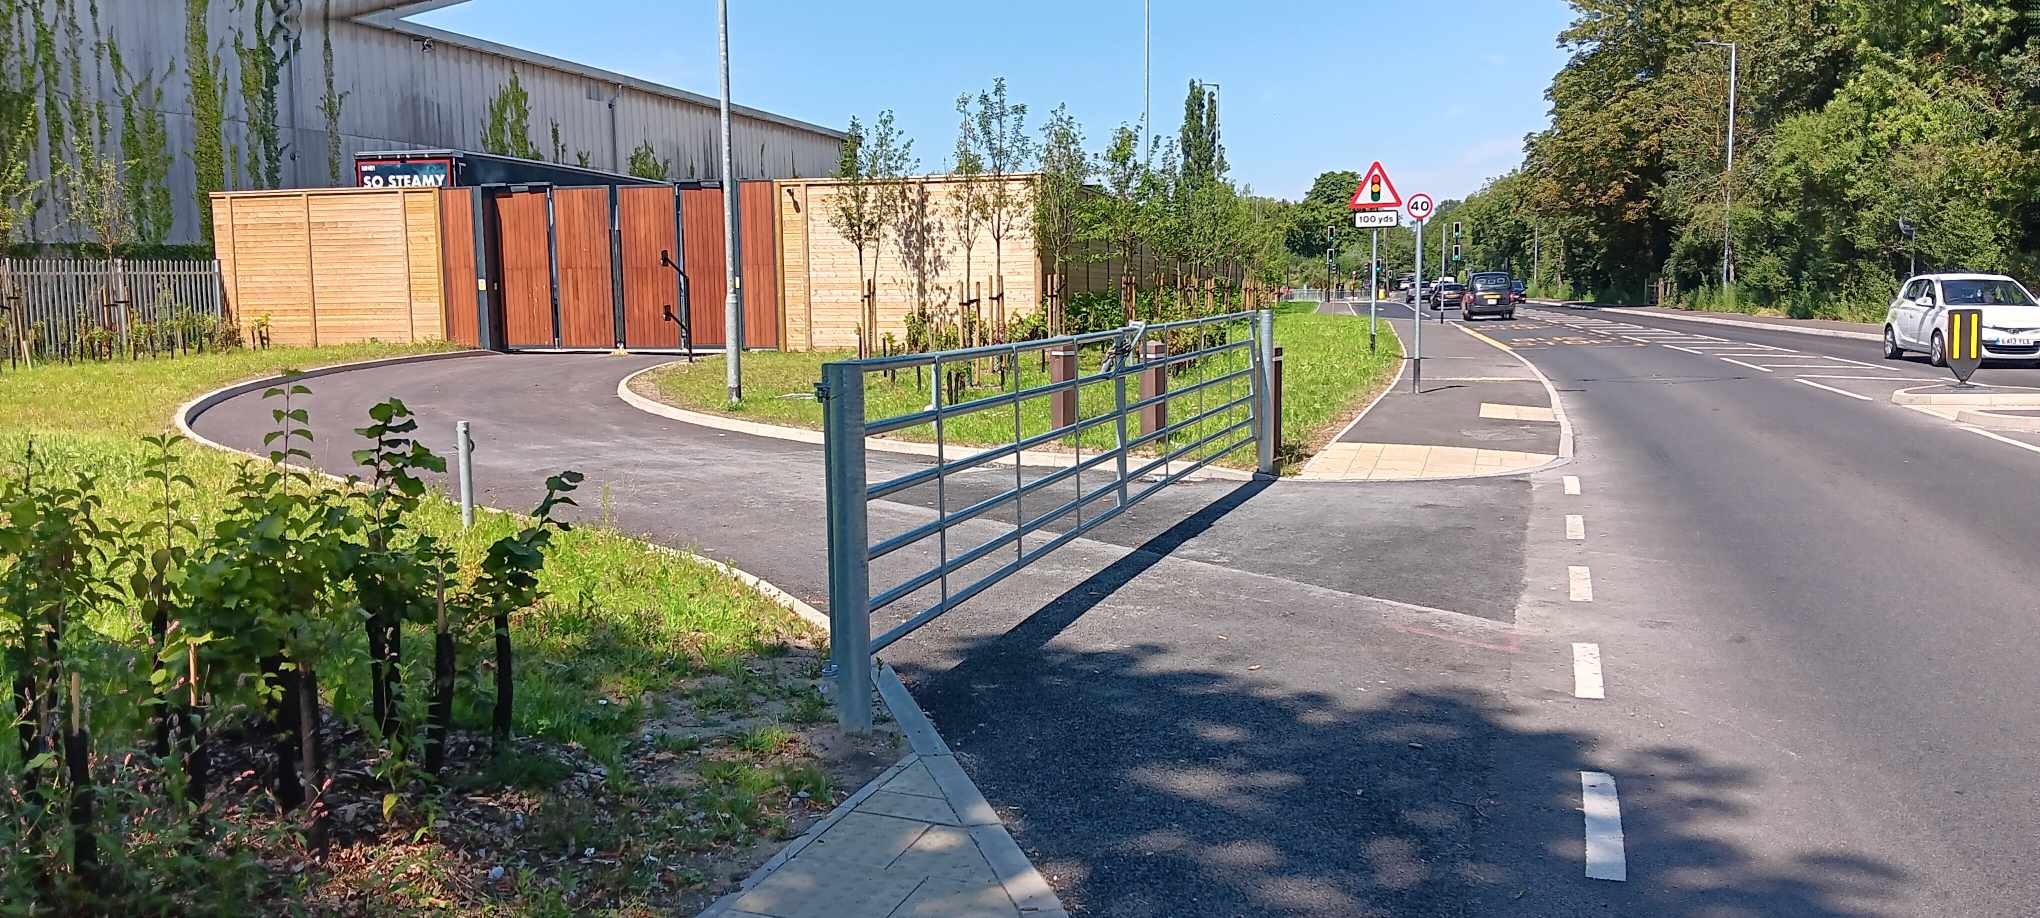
(1502, 412)
(1382, 461)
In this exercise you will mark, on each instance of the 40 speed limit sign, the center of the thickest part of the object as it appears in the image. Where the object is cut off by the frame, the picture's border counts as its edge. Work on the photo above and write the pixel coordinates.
(1420, 207)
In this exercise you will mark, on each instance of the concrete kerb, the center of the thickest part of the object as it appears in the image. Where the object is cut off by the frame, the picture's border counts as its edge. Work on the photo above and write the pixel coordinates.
(1029, 458)
(1759, 326)
(1023, 883)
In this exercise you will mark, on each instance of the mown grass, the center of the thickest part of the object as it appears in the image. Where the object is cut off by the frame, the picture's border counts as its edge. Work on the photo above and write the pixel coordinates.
(621, 620)
(1328, 374)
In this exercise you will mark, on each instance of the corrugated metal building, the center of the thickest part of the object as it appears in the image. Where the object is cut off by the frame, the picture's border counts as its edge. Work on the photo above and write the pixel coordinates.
(400, 85)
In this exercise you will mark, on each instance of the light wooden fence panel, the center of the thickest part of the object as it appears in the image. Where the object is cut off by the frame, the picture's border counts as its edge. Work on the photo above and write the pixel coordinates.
(333, 266)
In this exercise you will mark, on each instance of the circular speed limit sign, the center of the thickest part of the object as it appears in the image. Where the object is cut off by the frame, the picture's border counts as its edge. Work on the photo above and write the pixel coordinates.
(1420, 207)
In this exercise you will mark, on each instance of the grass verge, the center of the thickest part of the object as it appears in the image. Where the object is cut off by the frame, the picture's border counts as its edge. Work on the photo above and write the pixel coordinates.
(670, 732)
(1328, 376)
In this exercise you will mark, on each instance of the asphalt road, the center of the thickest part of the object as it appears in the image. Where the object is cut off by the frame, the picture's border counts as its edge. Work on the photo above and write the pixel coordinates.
(1344, 699)
(1828, 594)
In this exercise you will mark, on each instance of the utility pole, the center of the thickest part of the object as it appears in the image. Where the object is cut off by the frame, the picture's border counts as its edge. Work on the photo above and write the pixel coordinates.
(1728, 173)
(1147, 74)
(733, 279)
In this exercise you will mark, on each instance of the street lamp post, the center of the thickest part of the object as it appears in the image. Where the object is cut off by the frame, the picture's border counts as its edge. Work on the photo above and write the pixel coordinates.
(1728, 173)
(733, 312)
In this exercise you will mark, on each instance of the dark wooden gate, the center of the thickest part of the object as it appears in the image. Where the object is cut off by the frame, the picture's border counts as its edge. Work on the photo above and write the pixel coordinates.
(581, 245)
(650, 226)
(563, 268)
(525, 269)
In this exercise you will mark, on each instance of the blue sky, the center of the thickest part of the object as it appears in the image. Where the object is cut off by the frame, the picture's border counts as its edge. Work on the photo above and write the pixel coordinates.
(1442, 91)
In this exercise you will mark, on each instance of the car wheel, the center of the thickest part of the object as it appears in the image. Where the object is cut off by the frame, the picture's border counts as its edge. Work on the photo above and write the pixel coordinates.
(1891, 349)
(1510, 315)
(1938, 356)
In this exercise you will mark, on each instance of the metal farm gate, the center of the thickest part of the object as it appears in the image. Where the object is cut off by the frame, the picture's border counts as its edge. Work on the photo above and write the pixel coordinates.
(600, 268)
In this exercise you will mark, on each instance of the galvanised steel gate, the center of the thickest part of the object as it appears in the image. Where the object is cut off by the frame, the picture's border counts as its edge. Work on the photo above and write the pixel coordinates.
(1216, 369)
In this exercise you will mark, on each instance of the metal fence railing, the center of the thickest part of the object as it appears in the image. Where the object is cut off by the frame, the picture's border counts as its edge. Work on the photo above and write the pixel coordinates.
(52, 304)
(1083, 449)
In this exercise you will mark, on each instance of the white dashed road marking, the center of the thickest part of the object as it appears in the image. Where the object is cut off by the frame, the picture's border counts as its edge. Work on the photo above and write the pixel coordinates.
(1572, 484)
(1586, 671)
(1836, 391)
(1580, 583)
(1575, 526)
(1603, 810)
(1687, 350)
(1742, 364)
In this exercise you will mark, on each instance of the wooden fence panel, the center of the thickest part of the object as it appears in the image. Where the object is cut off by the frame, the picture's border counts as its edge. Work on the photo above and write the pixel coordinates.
(649, 286)
(701, 225)
(526, 269)
(760, 248)
(587, 300)
(457, 248)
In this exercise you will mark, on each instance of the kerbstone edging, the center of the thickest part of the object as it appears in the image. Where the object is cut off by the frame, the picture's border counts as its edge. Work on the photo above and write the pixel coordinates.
(1760, 326)
(1023, 883)
(1029, 458)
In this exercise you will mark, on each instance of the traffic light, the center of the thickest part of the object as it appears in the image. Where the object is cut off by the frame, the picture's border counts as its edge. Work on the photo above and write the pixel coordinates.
(1455, 251)
(1457, 229)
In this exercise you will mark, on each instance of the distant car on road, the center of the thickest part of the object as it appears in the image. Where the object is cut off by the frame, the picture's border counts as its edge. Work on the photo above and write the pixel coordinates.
(1519, 290)
(1417, 292)
(1489, 293)
(1917, 318)
(1447, 294)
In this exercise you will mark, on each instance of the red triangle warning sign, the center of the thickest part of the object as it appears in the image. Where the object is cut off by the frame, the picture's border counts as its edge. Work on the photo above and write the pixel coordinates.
(1376, 192)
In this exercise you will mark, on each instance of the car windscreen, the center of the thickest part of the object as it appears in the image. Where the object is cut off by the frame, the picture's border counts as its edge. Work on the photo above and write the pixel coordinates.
(1490, 282)
(1984, 293)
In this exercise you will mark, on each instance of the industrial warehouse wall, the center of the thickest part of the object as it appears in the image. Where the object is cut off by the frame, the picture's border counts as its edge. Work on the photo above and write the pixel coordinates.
(333, 266)
(394, 84)
(818, 268)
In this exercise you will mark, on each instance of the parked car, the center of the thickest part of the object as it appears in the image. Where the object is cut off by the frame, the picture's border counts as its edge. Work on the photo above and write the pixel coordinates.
(1917, 318)
(1490, 293)
(1447, 295)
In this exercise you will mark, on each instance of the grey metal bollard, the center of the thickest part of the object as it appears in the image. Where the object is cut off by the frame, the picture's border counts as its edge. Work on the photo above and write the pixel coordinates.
(1264, 329)
(464, 448)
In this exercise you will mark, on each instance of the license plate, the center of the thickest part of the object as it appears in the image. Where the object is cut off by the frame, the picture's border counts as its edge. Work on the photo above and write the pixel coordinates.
(1492, 299)
(2015, 342)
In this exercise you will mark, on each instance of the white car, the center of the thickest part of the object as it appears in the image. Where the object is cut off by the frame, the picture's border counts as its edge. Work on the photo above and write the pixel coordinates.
(1917, 319)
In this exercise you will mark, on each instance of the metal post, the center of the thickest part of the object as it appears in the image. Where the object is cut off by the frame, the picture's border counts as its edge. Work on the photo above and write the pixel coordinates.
(733, 313)
(464, 449)
(1728, 182)
(1147, 75)
(1373, 288)
(842, 394)
(1117, 361)
(1417, 318)
(1265, 376)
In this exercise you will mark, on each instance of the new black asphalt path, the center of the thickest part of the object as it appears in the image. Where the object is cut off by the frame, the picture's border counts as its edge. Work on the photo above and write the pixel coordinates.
(1816, 629)
(1239, 699)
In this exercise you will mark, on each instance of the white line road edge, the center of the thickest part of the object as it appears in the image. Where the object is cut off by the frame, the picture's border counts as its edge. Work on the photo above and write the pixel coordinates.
(1579, 583)
(1689, 350)
(2028, 447)
(1572, 484)
(1575, 527)
(1603, 812)
(1586, 672)
(1750, 365)
(1836, 391)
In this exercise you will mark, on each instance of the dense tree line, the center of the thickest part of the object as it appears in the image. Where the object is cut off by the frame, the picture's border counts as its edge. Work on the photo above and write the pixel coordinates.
(1852, 115)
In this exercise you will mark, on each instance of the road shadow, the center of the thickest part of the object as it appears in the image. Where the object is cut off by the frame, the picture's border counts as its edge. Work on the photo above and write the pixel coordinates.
(1145, 779)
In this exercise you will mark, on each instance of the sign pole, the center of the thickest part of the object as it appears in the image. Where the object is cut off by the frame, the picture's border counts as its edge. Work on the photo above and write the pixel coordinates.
(1373, 287)
(1417, 320)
